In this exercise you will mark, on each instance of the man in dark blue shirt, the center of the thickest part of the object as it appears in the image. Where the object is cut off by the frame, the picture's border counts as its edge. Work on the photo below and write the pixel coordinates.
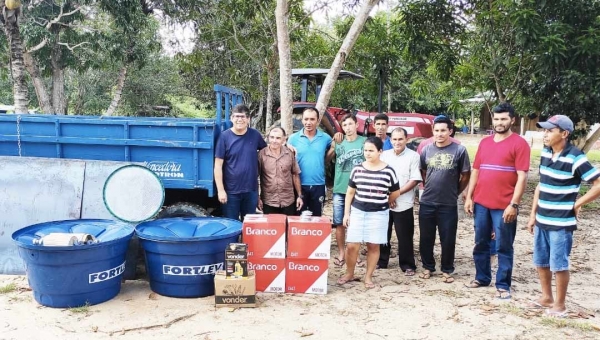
(236, 165)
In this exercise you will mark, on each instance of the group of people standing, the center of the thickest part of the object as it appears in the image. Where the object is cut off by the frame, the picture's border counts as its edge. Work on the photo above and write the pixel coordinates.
(374, 193)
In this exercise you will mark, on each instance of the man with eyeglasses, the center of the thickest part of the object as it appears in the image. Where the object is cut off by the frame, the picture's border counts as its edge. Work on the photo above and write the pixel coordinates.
(236, 165)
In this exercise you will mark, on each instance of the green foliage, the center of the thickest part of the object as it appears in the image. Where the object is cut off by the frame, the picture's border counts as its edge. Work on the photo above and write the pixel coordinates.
(236, 45)
(543, 56)
(189, 107)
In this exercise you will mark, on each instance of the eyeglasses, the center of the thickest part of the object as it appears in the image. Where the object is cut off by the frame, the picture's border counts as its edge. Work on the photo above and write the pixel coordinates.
(234, 117)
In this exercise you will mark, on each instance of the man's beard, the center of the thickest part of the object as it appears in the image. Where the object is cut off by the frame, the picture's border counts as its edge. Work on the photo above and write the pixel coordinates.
(506, 130)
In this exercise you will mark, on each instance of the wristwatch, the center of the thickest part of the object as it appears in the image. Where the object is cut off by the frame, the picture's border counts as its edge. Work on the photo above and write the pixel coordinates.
(301, 196)
(514, 205)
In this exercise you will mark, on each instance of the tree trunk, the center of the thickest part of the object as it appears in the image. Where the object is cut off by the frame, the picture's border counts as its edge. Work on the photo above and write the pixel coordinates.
(17, 65)
(269, 108)
(114, 104)
(58, 78)
(78, 109)
(38, 83)
(285, 66)
(340, 59)
(589, 143)
(389, 81)
(256, 121)
(499, 91)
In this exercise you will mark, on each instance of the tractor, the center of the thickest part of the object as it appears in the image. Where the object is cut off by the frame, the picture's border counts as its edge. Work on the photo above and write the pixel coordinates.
(417, 125)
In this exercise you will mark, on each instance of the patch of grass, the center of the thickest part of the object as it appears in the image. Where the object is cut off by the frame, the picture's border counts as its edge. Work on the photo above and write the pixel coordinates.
(535, 153)
(593, 204)
(20, 298)
(472, 150)
(85, 309)
(512, 309)
(9, 288)
(594, 156)
(566, 323)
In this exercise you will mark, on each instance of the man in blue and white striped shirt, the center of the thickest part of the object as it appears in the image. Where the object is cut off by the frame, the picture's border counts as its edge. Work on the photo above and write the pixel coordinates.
(555, 209)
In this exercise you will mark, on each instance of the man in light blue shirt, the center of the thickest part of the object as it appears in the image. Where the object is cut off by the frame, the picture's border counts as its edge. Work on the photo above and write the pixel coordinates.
(311, 146)
(381, 123)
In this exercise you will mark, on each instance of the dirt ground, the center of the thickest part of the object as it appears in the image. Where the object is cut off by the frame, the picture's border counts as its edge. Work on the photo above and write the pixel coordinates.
(399, 308)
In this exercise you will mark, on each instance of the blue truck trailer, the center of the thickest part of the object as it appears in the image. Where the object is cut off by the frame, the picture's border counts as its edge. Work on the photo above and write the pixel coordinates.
(179, 150)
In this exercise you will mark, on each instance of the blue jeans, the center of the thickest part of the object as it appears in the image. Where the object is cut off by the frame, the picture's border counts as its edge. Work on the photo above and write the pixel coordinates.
(487, 220)
(493, 246)
(240, 204)
(444, 218)
(339, 203)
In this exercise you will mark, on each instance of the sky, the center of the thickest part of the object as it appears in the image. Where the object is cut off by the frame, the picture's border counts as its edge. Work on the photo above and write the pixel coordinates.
(179, 38)
(323, 10)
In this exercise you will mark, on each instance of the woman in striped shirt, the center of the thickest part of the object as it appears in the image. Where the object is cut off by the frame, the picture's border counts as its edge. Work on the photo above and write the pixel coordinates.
(372, 186)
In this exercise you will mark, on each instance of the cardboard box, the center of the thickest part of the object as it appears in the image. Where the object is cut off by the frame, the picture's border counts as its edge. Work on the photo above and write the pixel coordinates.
(236, 260)
(270, 274)
(306, 276)
(265, 235)
(309, 238)
(235, 292)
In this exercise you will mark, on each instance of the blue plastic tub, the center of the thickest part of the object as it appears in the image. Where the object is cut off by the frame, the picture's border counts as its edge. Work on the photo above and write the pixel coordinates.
(73, 276)
(183, 254)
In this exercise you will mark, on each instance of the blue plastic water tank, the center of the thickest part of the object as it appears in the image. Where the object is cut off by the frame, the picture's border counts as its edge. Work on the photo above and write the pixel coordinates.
(183, 254)
(73, 276)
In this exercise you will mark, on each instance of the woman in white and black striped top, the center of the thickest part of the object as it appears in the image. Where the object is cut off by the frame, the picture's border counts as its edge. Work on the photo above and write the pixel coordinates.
(372, 185)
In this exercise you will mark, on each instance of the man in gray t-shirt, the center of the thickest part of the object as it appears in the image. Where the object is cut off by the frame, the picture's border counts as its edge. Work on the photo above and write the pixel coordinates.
(446, 170)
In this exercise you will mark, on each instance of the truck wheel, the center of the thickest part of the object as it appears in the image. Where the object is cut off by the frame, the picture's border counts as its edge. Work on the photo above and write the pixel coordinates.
(414, 143)
(183, 209)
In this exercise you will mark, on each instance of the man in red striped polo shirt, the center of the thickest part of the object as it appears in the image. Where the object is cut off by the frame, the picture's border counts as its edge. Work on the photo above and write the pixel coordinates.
(496, 186)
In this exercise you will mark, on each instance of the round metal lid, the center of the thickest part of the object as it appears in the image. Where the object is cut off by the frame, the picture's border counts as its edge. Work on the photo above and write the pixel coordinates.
(133, 193)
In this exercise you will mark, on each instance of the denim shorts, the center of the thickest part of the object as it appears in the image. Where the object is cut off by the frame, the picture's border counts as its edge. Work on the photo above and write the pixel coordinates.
(551, 248)
(339, 201)
(368, 227)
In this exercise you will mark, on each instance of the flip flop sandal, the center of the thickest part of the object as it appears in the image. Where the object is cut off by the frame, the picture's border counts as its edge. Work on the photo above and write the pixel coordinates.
(503, 294)
(370, 285)
(426, 274)
(342, 281)
(360, 263)
(447, 278)
(559, 315)
(536, 305)
(409, 272)
(339, 262)
(474, 284)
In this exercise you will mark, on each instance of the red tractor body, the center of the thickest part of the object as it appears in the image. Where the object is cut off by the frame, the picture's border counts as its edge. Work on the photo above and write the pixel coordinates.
(417, 125)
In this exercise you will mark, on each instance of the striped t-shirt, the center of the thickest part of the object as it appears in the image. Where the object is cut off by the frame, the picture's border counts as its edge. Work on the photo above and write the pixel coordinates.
(560, 180)
(372, 187)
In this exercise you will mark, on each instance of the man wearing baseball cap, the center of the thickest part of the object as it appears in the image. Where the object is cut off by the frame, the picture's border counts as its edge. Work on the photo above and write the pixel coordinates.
(555, 209)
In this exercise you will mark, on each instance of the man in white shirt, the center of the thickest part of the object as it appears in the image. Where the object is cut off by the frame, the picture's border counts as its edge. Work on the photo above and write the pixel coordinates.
(405, 163)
